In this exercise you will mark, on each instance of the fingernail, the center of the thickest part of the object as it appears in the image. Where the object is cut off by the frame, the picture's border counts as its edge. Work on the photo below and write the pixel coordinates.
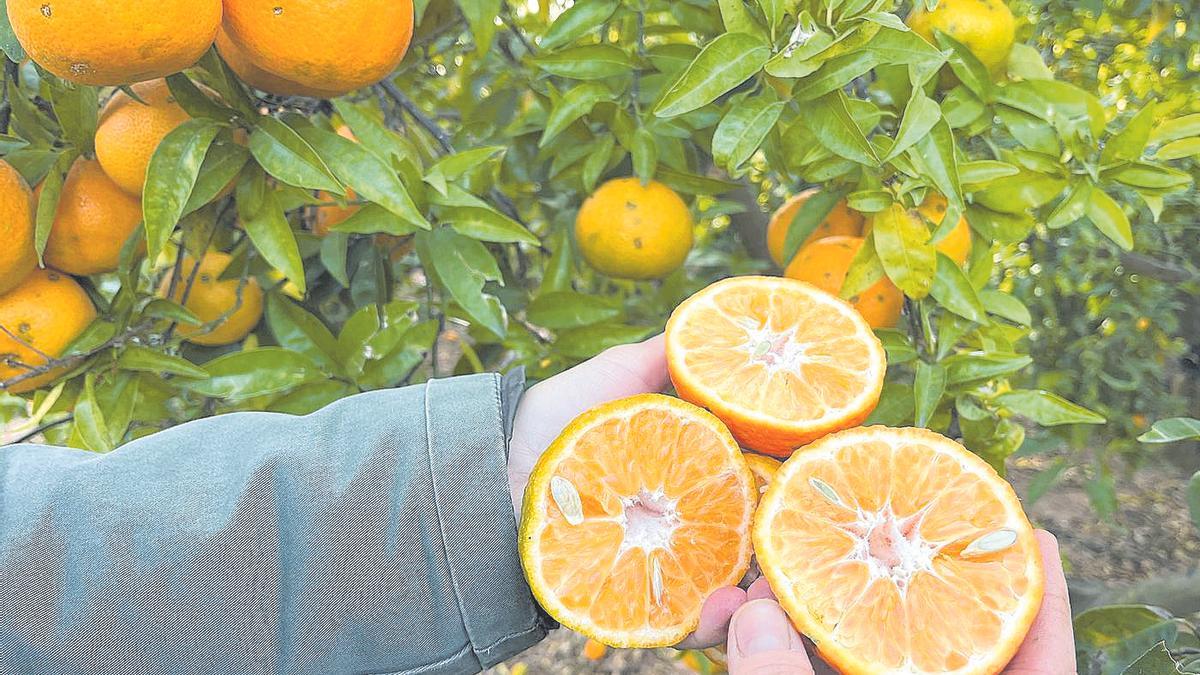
(761, 626)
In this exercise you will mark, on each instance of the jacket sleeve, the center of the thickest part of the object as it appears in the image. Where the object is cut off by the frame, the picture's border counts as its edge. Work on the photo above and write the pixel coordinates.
(374, 536)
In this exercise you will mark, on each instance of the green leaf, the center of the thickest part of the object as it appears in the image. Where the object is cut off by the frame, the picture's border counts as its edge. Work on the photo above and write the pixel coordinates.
(723, 64)
(77, 108)
(590, 62)
(462, 266)
(896, 406)
(1176, 128)
(1025, 62)
(736, 18)
(195, 102)
(1144, 175)
(1155, 661)
(970, 367)
(222, 164)
(89, 421)
(171, 177)
(1072, 207)
(919, 117)
(807, 219)
(928, 387)
(481, 17)
(364, 171)
(454, 166)
(576, 103)
(694, 185)
(934, 155)
(1171, 430)
(309, 398)
(1116, 636)
(1007, 228)
(978, 174)
(645, 154)
(831, 123)
(1005, 306)
(1030, 131)
(47, 206)
(581, 19)
(285, 155)
(973, 74)
(865, 271)
(833, 75)
(334, 249)
(1130, 141)
(568, 309)
(954, 291)
(743, 129)
(144, 359)
(1108, 217)
(296, 329)
(1185, 147)
(1046, 408)
(1067, 107)
(399, 356)
(255, 372)
(262, 217)
(597, 162)
(485, 224)
(1043, 481)
(587, 341)
(908, 257)
(371, 132)
(1193, 499)
(161, 308)
(8, 39)
(774, 12)
(374, 219)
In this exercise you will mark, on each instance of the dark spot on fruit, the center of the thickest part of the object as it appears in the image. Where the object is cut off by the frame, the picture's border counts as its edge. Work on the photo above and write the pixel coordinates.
(53, 276)
(879, 297)
(637, 242)
(941, 208)
(631, 206)
(829, 275)
(23, 327)
(47, 11)
(277, 11)
(205, 279)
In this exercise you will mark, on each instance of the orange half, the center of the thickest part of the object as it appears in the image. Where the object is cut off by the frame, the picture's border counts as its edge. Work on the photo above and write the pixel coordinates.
(898, 551)
(780, 361)
(633, 517)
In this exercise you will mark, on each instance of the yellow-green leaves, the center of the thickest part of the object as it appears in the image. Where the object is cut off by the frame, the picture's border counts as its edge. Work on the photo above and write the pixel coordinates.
(263, 219)
(1108, 217)
(285, 155)
(833, 126)
(590, 62)
(462, 266)
(743, 129)
(171, 177)
(722, 65)
(902, 243)
(579, 20)
(576, 103)
(1046, 408)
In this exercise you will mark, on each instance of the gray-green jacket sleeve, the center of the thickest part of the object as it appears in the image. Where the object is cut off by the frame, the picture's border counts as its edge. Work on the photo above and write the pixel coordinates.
(374, 536)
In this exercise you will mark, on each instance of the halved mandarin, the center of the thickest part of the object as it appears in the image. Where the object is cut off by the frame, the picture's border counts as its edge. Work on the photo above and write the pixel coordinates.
(780, 361)
(763, 468)
(898, 551)
(633, 517)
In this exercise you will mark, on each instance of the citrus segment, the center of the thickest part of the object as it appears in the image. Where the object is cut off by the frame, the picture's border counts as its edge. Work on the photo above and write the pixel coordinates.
(897, 550)
(779, 361)
(635, 514)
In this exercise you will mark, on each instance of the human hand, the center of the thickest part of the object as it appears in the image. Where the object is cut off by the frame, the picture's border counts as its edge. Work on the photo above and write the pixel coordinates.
(762, 640)
(549, 406)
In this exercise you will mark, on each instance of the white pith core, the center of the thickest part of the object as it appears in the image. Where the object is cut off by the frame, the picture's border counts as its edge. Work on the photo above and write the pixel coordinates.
(649, 519)
(775, 350)
(891, 546)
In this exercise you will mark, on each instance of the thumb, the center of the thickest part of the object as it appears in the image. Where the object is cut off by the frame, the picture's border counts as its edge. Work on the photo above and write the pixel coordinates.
(762, 641)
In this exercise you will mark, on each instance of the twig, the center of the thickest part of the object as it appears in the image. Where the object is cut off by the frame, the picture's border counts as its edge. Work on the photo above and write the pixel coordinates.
(507, 18)
(421, 118)
(42, 429)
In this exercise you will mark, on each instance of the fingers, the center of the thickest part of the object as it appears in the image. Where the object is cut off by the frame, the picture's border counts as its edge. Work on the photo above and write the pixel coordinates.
(762, 641)
(760, 590)
(626, 370)
(714, 618)
(1049, 649)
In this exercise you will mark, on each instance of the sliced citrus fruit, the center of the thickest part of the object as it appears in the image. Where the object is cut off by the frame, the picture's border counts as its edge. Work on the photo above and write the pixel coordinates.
(763, 468)
(781, 362)
(897, 550)
(633, 516)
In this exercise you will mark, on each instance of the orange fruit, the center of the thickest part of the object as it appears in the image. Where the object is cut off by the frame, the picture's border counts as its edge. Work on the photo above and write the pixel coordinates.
(129, 132)
(897, 550)
(17, 256)
(781, 362)
(763, 468)
(825, 263)
(212, 299)
(328, 47)
(633, 516)
(93, 221)
(328, 216)
(628, 231)
(957, 244)
(260, 78)
(42, 316)
(113, 42)
(985, 27)
(594, 651)
(842, 220)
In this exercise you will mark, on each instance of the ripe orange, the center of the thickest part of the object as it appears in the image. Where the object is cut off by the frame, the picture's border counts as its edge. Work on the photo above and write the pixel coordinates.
(260, 78)
(47, 311)
(112, 42)
(825, 263)
(763, 468)
(329, 216)
(636, 513)
(327, 46)
(130, 132)
(781, 362)
(985, 27)
(897, 550)
(17, 256)
(93, 221)
(212, 299)
(842, 220)
(627, 231)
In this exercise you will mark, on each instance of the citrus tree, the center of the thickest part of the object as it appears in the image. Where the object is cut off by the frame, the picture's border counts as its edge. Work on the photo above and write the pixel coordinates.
(399, 221)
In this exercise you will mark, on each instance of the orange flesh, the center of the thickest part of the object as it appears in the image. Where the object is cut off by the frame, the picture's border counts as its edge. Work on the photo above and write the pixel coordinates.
(778, 352)
(662, 494)
(879, 567)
